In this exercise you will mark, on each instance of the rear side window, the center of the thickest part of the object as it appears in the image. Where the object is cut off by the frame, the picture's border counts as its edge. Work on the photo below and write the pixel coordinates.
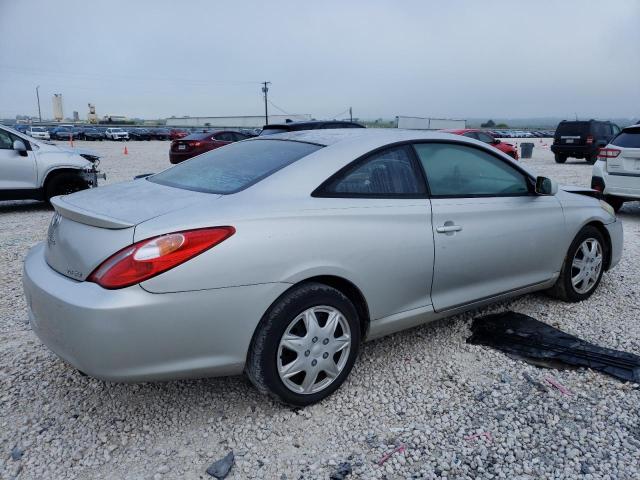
(234, 167)
(628, 138)
(460, 171)
(388, 173)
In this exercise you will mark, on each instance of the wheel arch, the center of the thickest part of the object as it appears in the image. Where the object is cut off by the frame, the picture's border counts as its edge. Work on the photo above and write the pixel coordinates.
(50, 174)
(607, 238)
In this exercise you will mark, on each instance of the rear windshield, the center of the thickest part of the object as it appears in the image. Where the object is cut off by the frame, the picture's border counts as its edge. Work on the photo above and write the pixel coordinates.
(271, 131)
(234, 167)
(628, 138)
(197, 136)
(572, 128)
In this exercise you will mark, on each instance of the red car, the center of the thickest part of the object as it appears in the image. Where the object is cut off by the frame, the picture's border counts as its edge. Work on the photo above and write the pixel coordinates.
(177, 133)
(507, 148)
(198, 143)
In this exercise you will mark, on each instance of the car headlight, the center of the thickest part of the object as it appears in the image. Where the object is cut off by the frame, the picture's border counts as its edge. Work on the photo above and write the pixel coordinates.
(608, 208)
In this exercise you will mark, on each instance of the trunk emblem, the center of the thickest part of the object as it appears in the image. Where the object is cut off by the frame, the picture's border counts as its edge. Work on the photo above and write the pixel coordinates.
(53, 227)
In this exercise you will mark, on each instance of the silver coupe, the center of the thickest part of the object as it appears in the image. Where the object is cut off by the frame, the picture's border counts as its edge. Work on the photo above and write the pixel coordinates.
(278, 256)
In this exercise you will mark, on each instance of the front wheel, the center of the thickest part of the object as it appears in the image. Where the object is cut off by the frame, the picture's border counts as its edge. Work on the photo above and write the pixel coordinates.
(582, 268)
(63, 184)
(305, 345)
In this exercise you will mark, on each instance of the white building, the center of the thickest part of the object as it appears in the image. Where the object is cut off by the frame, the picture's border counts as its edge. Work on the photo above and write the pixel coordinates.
(58, 114)
(236, 122)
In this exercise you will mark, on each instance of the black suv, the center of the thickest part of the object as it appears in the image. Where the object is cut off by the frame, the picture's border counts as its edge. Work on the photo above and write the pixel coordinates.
(582, 139)
(311, 125)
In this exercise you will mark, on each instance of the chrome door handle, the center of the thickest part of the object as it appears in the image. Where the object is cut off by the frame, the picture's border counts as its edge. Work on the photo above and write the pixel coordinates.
(448, 228)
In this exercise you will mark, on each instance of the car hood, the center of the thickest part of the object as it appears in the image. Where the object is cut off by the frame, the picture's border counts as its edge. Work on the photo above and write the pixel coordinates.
(126, 204)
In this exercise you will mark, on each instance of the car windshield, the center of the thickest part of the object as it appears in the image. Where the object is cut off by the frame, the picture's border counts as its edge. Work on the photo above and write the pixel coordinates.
(117, 130)
(628, 138)
(37, 129)
(234, 167)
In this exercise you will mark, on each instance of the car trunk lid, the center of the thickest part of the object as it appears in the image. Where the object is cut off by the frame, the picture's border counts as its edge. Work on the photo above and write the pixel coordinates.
(91, 225)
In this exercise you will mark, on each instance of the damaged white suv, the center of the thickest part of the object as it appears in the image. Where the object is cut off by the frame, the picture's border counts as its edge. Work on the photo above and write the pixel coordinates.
(32, 169)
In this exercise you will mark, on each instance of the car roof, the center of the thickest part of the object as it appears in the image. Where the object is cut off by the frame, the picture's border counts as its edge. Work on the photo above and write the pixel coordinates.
(458, 131)
(381, 136)
(309, 123)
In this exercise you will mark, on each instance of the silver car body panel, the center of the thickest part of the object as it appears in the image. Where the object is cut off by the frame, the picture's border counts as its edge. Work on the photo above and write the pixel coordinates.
(388, 248)
(30, 172)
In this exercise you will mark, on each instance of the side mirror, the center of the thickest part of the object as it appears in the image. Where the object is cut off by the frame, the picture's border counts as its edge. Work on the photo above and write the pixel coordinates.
(20, 147)
(546, 186)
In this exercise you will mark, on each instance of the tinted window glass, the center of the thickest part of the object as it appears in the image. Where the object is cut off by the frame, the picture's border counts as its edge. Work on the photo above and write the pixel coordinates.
(470, 135)
(483, 137)
(572, 128)
(224, 136)
(460, 171)
(6, 140)
(629, 138)
(272, 131)
(387, 173)
(234, 167)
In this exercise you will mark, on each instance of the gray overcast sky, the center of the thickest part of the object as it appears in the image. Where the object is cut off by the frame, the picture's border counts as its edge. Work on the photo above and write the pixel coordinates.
(457, 58)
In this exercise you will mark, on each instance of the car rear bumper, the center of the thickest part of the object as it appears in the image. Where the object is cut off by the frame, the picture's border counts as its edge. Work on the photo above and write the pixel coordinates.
(624, 184)
(133, 335)
(579, 151)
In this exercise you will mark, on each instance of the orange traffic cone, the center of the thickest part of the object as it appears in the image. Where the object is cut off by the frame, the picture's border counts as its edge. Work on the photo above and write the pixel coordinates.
(126, 152)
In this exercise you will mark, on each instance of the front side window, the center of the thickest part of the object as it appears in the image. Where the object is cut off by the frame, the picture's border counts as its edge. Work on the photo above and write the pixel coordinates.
(389, 173)
(234, 167)
(460, 171)
(486, 138)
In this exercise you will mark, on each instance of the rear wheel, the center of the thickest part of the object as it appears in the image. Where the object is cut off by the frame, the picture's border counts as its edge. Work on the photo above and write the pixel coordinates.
(591, 159)
(305, 345)
(63, 184)
(582, 268)
(615, 202)
(560, 158)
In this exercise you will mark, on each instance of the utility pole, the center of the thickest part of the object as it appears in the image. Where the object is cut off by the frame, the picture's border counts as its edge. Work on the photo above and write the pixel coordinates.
(265, 90)
(351, 114)
(38, 97)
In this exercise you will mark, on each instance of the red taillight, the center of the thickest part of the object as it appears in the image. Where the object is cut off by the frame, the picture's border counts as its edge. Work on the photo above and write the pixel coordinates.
(605, 153)
(148, 258)
(194, 143)
(589, 139)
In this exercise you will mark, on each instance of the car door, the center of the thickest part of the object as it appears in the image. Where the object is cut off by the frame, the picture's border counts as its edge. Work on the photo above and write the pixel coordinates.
(492, 234)
(16, 171)
(380, 226)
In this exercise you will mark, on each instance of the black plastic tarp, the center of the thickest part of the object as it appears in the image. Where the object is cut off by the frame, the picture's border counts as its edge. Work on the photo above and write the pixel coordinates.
(520, 335)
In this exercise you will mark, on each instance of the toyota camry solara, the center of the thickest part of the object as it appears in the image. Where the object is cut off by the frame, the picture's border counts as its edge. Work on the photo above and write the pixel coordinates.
(277, 256)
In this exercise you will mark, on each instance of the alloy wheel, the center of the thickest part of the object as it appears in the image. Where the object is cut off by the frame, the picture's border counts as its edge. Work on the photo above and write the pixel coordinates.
(586, 266)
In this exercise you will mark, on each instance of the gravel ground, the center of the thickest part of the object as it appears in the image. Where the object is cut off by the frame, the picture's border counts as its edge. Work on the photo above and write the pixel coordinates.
(443, 407)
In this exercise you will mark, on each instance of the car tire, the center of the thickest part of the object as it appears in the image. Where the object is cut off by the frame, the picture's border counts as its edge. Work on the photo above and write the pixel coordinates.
(269, 354)
(591, 159)
(63, 184)
(560, 158)
(566, 287)
(615, 202)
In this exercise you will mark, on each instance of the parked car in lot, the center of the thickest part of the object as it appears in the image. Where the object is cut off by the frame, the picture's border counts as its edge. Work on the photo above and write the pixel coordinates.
(41, 133)
(93, 134)
(311, 125)
(61, 133)
(140, 134)
(617, 172)
(582, 139)
(177, 133)
(32, 169)
(159, 133)
(489, 139)
(198, 143)
(116, 133)
(278, 255)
